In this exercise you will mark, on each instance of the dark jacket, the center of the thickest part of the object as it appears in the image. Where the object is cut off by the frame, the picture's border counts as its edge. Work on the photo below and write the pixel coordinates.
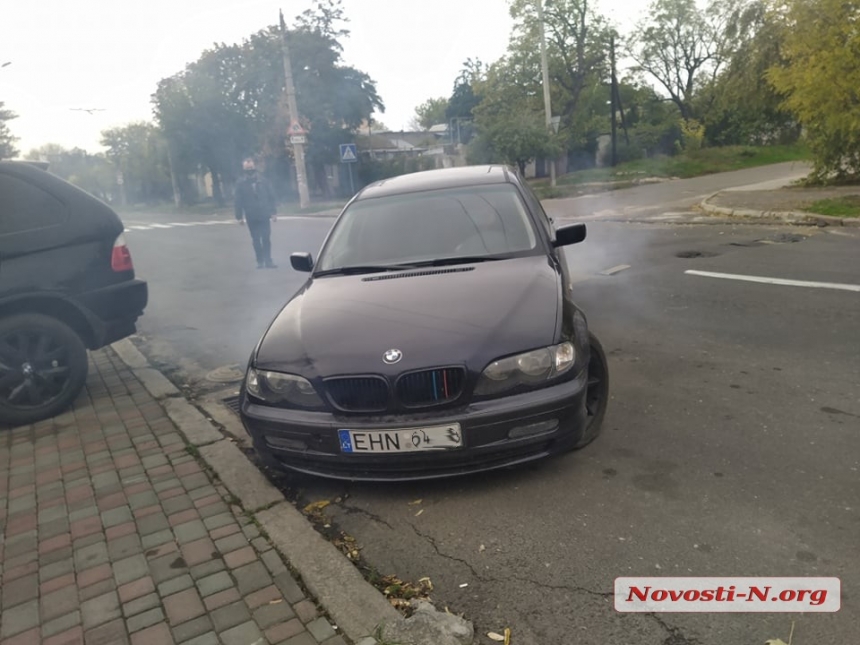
(255, 199)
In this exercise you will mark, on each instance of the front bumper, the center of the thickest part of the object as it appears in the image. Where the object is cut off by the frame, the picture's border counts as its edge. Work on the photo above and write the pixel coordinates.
(307, 442)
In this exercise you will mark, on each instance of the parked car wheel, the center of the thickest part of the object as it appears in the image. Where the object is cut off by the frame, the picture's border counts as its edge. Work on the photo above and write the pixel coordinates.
(597, 392)
(43, 368)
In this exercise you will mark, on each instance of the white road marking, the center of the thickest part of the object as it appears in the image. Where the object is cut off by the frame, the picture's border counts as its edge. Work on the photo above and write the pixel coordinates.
(780, 281)
(138, 228)
(615, 269)
(159, 226)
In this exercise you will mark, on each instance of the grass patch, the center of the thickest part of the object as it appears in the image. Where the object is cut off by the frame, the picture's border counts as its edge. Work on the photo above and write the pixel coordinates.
(845, 206)
(692, 164)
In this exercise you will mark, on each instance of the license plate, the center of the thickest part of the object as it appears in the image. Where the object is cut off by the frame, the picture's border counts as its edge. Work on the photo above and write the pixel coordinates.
(406, 440)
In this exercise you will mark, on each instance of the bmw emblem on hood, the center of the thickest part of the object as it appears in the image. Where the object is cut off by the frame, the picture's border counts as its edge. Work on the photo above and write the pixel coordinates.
(392, 356)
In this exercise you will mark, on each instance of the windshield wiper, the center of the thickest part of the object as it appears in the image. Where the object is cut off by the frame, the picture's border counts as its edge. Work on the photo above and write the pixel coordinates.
(365, 268)
(463, 259)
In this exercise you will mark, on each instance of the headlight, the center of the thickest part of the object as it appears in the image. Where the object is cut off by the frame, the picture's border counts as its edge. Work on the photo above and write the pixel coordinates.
(277, 388)
(531, 368)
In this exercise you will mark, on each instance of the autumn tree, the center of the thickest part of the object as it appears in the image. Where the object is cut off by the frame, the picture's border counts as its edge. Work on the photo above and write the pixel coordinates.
(684, 47)
(820, 77)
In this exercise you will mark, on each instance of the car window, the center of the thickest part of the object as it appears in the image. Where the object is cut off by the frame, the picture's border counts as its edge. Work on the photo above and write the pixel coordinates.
(482, 221)
(535, 205)
(25, 207)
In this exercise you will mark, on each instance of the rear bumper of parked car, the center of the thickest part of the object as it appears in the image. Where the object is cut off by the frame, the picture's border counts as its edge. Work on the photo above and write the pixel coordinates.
(497, 433)
(116, 310)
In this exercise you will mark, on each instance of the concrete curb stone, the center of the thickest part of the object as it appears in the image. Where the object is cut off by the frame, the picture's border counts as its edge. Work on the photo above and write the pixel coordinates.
(791, 217)
(358, 609)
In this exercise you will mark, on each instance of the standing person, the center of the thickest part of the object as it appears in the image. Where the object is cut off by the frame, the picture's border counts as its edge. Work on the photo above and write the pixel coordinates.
(255, 204)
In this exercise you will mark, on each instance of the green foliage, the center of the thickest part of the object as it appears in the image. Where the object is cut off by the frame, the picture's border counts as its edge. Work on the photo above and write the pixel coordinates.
(431, 112)
(139, 152)
(230, 103)
(369, 171)
(692, 135)
(746, 109)
(7, 141)
(683, 47)
(846, 206)
(820, 79)
(93, 173)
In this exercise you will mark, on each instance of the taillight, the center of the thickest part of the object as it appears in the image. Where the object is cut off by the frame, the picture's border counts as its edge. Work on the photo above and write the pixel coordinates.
(120, 259)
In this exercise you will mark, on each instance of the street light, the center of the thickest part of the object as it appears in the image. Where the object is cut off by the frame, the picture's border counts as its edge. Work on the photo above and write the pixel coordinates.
(545, 73)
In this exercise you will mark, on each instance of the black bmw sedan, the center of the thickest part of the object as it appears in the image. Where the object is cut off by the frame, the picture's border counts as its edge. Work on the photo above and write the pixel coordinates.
(436, 335)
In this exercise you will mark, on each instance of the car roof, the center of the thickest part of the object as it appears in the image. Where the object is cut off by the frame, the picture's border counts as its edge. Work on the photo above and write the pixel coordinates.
(436, 179)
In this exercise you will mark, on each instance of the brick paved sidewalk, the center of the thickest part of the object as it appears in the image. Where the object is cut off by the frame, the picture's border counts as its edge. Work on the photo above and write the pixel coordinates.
(113, 533)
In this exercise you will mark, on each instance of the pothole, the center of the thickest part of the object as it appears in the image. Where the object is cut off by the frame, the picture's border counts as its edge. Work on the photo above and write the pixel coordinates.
(226, 374)
(695, 254)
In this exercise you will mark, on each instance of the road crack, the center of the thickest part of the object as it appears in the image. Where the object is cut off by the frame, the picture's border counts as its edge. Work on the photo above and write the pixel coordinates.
(355, 510)
(493, 579)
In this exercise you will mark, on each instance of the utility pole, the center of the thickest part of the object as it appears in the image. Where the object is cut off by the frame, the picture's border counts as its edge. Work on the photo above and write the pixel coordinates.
(614, 92)
(545, 72)
(298, 146)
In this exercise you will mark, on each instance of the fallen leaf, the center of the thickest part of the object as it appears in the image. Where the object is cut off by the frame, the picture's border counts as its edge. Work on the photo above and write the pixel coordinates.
(416, 502)
(496, 637)
(419, 512)
(507, 636)
(317, 506)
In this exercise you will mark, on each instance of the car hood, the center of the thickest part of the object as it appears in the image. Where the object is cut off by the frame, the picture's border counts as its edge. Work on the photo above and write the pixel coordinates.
(455, 315)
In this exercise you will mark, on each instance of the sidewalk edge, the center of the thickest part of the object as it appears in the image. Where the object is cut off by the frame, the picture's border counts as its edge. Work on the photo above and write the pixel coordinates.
(356, 607)
(790, 217)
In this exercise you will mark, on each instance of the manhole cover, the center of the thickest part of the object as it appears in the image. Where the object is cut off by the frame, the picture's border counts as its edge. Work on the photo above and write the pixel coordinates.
(695, 254)
(226, 374)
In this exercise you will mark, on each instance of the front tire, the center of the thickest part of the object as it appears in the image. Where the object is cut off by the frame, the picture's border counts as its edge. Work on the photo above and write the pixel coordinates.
(596, 394)
(43, 368)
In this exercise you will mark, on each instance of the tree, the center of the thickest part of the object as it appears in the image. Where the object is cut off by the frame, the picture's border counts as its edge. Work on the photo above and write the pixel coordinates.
(90, 172)
(231, 103)
(820, 78)
(139, 152)
(510, 119)
(577, 50)
(684, 47)
(746, 108)
(431, 112)
(7, 141)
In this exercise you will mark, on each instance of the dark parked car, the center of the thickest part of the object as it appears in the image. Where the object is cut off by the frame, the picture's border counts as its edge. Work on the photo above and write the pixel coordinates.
(67, 284)
(435, 336)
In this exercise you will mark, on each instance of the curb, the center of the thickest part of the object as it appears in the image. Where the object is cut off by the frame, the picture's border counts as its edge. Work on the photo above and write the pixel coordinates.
(358, 609)
(790, 217)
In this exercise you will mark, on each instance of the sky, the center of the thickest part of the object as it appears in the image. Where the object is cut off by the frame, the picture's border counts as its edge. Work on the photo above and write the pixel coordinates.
(70, 55)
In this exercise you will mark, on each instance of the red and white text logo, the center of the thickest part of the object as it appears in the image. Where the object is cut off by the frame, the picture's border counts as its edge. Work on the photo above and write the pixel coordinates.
(731, 595)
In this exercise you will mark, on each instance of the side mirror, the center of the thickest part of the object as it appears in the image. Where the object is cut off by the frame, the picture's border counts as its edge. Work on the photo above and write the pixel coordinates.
(570, 234)
(302, 262)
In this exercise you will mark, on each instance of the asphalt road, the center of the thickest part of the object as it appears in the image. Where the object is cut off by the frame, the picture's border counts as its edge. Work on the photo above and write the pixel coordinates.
(731, 446)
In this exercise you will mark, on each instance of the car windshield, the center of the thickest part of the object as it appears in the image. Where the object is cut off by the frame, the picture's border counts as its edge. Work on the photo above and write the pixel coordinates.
(476, 222)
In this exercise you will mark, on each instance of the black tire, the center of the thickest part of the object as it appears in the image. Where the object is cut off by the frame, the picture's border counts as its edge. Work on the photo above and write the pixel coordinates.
(43, 368)
(597, 392)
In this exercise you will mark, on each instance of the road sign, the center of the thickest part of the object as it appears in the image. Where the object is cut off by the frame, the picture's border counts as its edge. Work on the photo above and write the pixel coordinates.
(556, 120)
(296, 129)
(298, 138)
(348, 153)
